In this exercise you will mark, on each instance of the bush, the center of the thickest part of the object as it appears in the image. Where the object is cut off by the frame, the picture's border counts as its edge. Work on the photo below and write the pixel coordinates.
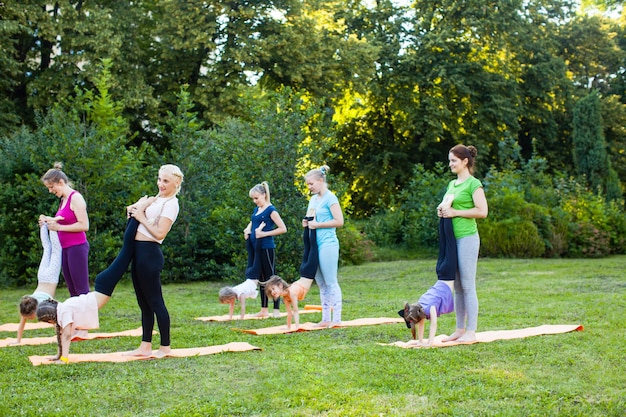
(355, 248)
(515, 238)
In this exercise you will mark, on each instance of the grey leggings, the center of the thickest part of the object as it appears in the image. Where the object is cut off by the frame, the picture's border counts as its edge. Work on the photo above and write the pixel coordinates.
(465, 298)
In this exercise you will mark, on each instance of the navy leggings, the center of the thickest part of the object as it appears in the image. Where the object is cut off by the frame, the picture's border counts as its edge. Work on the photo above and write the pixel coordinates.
(108, 279)
(146, 272)
(447, 262)
(310, 258)
(261, 266)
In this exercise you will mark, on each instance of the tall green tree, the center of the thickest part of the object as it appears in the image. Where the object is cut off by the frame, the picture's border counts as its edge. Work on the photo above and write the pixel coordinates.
(590, 150)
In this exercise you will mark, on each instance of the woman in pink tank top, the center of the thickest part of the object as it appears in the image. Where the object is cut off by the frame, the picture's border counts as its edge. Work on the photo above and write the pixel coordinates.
(71, 230)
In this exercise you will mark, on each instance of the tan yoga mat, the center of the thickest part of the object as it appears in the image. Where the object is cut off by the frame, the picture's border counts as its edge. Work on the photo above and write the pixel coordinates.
(307, 309)
(12, 327)
(493, 335)
(30, 341)
(305, 327)
(120, 357)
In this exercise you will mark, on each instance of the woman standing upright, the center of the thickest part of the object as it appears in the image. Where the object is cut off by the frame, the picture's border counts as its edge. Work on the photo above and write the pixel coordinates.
(156, 217)
(265, 223)
(468, 205)
(327, 216)
(71, 230)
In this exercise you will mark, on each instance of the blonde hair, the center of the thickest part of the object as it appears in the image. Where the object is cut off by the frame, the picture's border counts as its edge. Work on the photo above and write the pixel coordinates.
(174, 171)
(318, 173)
(262, 188)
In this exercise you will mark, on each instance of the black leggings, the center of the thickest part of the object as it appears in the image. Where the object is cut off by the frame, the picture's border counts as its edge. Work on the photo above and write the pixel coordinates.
(310, 258)
(261, 266)
(146, 271)
(108, 279)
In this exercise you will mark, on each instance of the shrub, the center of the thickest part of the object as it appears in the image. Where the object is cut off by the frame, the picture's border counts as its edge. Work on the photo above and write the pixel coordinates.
(514, 237)
(355, 247)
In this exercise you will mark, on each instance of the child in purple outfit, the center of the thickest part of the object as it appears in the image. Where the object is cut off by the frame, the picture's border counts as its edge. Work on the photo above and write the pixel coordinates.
(439, 298)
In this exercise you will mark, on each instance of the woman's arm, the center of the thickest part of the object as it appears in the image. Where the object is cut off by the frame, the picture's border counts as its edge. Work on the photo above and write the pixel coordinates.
(79, 207)
(159, 230)
(336, 221)
(278, 230)
(247, 231)
(479, 211)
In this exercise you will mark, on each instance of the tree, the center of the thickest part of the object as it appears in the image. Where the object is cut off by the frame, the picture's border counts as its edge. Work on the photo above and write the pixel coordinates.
(590, 153)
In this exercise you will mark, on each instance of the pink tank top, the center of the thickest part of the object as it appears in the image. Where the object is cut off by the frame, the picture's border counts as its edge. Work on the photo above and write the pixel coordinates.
(69, 239)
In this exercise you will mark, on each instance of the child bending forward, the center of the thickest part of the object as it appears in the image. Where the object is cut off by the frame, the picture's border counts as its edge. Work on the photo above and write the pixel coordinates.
(247, 289)
(277, 287)
(436, 301)
(75, 313)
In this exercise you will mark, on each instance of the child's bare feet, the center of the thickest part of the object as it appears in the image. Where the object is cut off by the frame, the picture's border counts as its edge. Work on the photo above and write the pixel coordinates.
(454, 336)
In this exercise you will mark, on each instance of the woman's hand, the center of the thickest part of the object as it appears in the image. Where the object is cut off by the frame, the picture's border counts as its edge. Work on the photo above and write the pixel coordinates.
(258, 232)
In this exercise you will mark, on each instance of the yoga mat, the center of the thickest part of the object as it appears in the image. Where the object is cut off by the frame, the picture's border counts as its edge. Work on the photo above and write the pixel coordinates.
(493, 335)
(307, 309)
(119, 356)
(31, 341)
(305, 327)
(12, 327)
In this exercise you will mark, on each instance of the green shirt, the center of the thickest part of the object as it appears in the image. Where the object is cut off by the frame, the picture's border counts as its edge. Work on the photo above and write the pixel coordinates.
(463, 200)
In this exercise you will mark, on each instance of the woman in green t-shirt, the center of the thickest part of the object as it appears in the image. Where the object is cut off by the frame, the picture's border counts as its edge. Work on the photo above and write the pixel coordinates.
(468, 205)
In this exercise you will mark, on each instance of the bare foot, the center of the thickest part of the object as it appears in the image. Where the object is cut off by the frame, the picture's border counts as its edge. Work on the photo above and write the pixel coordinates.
(138, 352)
(163, 352)
(469, 336)
(322, 324)
(144, 350)
(334, 324)
(276, 314)
(454, 336)
(261, 314)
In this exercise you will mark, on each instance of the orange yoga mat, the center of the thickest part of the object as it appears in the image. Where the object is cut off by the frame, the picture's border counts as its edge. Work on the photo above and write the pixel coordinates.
(30, 341)
(307, 309)
(119, 356)
(305, 327)
(493, 335)
(12, 327)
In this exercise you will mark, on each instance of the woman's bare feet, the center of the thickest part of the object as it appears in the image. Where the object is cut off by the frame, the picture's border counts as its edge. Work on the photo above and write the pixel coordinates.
(469, 336)
(322, 324)
(163, 352)
(262, 314)
(144, 350)
(454, 336)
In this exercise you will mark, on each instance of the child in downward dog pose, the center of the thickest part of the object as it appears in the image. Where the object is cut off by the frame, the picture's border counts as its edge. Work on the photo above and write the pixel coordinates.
(47, 277)
(277, 287)
(75, 313)
(438, 299)
(228, 295)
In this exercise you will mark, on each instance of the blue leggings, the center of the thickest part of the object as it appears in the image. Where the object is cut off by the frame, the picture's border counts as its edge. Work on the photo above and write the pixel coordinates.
(108, 279)
(146, 272)
(326, 279)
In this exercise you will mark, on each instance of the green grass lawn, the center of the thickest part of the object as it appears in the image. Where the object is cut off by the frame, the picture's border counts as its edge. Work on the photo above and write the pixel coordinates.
(346, 372)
